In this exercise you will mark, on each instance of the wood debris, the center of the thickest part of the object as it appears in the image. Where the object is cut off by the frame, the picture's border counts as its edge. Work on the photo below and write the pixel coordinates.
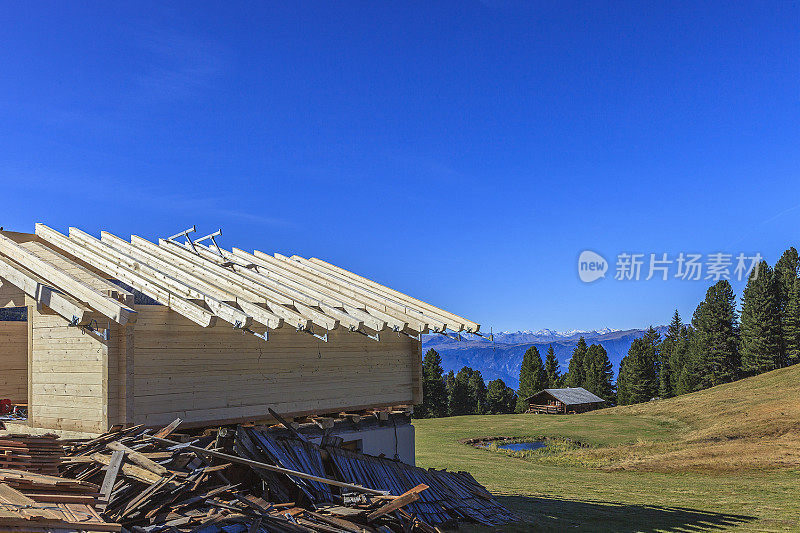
(241, 481)
(40, 454)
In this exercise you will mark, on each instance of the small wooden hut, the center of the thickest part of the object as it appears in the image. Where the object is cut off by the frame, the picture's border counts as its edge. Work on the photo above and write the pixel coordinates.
(564, 401)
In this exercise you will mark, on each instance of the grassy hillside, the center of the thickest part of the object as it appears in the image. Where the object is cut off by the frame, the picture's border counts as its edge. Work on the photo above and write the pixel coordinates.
(727, 457)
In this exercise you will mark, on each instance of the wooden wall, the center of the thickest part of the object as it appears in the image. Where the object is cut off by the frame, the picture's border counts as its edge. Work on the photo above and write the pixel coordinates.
(220, 374)
(14, 361)
(69, 379)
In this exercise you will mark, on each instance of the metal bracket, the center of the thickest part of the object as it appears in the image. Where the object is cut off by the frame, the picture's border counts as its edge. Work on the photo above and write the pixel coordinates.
(185, 233)
(376, 337)
(323, 338)
(211, 236)
(264, 337)
(455, 337)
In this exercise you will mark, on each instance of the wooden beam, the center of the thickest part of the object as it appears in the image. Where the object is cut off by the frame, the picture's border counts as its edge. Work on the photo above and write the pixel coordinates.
(193, 286)
(348, 315)
(239, 286)
(451, 318)
(66, 283)
(190, 310)
(435, 323)
(404, 499)
(351, 300)
(43, 293)
(178, 286)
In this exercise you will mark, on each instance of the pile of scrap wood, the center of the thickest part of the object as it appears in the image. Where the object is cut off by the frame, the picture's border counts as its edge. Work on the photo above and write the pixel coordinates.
(40, 454)
(149, 483)
(38, 502)
(247, 481)
(448, 497)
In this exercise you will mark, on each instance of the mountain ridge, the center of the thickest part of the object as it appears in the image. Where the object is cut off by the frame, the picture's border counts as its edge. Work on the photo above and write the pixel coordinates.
(502, 357)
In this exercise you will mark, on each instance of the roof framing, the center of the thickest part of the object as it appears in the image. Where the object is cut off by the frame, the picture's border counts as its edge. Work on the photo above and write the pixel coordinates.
(205, 284)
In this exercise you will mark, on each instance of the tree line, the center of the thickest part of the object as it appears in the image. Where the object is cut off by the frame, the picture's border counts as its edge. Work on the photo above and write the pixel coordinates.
(466, 393)
(719, 346)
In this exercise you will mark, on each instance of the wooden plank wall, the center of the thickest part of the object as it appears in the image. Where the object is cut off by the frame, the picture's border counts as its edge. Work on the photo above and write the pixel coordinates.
(69, 375)
(220, 374)
(14, 361)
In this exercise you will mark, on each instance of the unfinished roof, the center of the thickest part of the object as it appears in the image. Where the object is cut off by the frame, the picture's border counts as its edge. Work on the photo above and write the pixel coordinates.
(76, 274)
(570, 395)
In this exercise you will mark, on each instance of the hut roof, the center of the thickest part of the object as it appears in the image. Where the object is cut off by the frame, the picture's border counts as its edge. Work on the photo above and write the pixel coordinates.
(570, 395)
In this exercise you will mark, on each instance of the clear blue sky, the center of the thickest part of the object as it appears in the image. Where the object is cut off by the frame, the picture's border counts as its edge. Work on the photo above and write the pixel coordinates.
(463, 152)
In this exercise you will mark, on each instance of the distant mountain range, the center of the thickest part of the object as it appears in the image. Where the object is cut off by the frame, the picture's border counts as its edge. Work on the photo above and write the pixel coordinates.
(502, 357)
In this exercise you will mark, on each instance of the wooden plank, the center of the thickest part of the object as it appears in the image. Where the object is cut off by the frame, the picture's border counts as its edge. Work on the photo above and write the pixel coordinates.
(66, 283)
(111, 476)
(404, 499)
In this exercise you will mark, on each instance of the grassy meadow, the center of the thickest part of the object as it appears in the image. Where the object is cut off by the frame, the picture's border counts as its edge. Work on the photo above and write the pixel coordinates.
(723, 458)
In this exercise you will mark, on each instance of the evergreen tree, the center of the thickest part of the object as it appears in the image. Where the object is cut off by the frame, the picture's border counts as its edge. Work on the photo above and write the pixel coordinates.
(624, 381)
(669, 366)
(434, 395)
(599, 374)
(500, 398)
(642, 383)
(551, 369)
(461, 400)
(716, 336)
(785, 274)
(532, 377)
(477, 391)
(761, 323)
(687, 371)
(791, 325)
(449, 385)
(575, 376)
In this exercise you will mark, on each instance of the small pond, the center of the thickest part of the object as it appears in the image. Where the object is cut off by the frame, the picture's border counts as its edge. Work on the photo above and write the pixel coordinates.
(521, 446)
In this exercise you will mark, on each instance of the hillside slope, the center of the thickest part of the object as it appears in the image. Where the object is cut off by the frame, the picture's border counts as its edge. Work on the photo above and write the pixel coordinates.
(751, 423)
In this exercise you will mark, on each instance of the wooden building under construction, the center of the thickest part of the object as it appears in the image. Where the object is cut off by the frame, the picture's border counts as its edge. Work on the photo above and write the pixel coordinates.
(136, 332)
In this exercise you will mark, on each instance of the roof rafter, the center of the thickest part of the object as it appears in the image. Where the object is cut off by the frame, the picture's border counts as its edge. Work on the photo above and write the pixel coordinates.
(190, 310)
(44, 293)
(66, 283)
(451, 318)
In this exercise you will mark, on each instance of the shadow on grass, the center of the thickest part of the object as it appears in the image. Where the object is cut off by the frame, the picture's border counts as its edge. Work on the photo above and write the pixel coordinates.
(553, 514)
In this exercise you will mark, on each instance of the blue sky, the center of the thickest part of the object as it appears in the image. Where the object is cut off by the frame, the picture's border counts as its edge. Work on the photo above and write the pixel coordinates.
(463, 152)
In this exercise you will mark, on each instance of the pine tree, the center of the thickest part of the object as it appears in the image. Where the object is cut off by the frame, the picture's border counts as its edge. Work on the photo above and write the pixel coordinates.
(449, 386)
(461, 400)
(624, 381)
(791, 325)
(500, 398)
(600, 374)
(477, 390)
(785, 273)
(716, 336)
(761, 324)
(434, 395)
(551, 369)
(575, 376)
(532, 377)
(669, 366)
(642, 383)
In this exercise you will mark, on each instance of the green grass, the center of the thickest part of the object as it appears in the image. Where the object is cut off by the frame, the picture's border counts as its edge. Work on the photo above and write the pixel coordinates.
(694, 463)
